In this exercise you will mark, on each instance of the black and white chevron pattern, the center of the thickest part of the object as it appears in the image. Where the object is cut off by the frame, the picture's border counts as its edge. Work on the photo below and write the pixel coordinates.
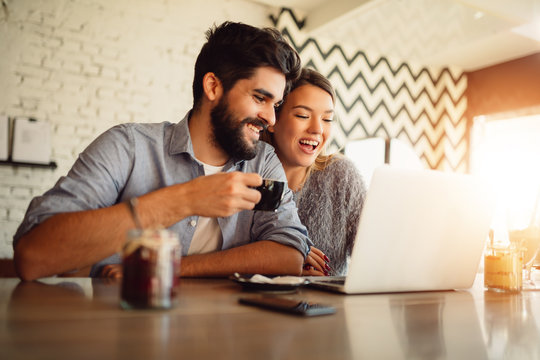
(379, 96)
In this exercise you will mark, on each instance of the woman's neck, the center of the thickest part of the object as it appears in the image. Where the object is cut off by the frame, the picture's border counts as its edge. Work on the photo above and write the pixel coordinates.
(296, 176)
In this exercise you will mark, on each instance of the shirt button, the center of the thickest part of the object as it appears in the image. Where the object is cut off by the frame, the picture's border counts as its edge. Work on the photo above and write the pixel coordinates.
(193, 223)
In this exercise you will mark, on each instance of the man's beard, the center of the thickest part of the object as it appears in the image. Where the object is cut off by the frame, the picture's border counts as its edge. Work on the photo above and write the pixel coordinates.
(229, 134)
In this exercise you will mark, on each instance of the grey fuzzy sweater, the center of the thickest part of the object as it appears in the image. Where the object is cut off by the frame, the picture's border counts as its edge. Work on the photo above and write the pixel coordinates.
(329, 205)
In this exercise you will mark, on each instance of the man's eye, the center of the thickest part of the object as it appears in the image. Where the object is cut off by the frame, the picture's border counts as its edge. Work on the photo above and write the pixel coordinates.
(328, 120)
(258, 98)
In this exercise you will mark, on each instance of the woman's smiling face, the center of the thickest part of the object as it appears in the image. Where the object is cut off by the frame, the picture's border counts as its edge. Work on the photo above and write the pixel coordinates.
(303, 126)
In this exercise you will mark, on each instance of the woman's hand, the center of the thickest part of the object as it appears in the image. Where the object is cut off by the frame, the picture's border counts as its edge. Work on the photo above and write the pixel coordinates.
(112, 271)
(316, 263)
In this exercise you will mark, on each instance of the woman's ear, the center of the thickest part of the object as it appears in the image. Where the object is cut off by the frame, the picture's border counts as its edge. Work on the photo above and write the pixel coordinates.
(270, 129)
(212, 86)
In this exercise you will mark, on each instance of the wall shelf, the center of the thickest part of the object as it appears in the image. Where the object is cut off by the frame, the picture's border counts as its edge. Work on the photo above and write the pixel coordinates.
(51, 165)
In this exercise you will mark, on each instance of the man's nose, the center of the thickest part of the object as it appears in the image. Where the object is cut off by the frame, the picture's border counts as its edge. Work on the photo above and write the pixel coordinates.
(268, 115)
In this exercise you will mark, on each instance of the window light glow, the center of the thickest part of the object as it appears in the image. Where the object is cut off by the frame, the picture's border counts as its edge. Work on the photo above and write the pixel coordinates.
(507, 154)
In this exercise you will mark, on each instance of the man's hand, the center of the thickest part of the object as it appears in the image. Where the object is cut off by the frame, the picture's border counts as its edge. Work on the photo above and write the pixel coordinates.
(112, 271)
(223, 194)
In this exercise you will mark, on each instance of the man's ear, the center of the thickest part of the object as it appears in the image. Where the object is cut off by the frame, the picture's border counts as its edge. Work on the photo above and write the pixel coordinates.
(270, 129)
(212, 86)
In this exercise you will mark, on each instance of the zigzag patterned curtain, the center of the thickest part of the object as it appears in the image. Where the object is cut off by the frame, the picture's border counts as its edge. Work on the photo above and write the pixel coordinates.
(383, 97)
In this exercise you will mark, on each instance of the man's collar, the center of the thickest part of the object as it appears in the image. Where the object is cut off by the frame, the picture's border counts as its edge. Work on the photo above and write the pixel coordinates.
(181, 140)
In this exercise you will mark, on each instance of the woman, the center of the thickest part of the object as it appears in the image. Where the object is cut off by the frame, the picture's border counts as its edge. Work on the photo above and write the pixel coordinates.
(328, 190)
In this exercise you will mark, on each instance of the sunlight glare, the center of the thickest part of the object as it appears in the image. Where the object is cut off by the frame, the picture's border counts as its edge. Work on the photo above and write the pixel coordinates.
(506, 153)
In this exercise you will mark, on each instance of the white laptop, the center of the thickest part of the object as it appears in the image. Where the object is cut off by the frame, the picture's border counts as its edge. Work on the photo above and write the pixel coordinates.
(419, 230)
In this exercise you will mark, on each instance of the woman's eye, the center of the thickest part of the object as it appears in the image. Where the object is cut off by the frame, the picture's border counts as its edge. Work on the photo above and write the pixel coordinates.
(301, 116)
(328, 120)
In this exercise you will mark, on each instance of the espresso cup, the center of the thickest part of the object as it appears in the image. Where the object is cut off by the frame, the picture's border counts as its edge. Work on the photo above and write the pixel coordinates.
(271, 194)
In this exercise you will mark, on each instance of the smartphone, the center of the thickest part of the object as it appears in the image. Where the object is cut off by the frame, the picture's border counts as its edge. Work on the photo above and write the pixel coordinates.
(297, 307)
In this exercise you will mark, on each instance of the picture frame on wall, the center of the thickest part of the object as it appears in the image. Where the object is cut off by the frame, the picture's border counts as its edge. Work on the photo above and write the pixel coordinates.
(31, 141)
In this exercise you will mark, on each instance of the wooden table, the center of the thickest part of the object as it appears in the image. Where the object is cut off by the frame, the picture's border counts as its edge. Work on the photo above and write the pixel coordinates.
(81, 319)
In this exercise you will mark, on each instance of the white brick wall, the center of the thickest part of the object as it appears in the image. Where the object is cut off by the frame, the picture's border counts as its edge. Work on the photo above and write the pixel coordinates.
(86, 65)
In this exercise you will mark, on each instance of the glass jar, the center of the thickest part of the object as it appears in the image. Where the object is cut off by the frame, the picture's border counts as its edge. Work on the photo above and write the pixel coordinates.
(151, 269)
(503, 265)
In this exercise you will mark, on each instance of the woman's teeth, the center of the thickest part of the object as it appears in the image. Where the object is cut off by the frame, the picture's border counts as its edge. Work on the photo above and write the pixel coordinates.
(310, 142)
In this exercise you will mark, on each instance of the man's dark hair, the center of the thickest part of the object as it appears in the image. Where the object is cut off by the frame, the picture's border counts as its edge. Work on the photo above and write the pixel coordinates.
(234, 51)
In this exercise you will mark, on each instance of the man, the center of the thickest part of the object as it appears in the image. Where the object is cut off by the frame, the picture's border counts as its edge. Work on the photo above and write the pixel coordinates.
(241, 75)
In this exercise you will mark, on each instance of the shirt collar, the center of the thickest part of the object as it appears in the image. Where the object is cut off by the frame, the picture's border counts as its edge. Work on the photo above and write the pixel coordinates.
(181, 141)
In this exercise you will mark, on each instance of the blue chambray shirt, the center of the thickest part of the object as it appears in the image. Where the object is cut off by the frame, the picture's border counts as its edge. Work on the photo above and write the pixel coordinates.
(130, 160)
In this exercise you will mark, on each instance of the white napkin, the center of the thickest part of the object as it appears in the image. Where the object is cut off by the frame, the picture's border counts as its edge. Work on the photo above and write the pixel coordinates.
(282, 280)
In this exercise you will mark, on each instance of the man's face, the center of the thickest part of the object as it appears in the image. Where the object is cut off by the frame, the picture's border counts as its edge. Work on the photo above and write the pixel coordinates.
(245, 110)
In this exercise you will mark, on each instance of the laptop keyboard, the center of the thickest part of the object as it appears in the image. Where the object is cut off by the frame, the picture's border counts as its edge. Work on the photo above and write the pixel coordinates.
(331, 281)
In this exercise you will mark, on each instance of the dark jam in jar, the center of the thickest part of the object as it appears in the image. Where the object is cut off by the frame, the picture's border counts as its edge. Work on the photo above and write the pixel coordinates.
(151, 270)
